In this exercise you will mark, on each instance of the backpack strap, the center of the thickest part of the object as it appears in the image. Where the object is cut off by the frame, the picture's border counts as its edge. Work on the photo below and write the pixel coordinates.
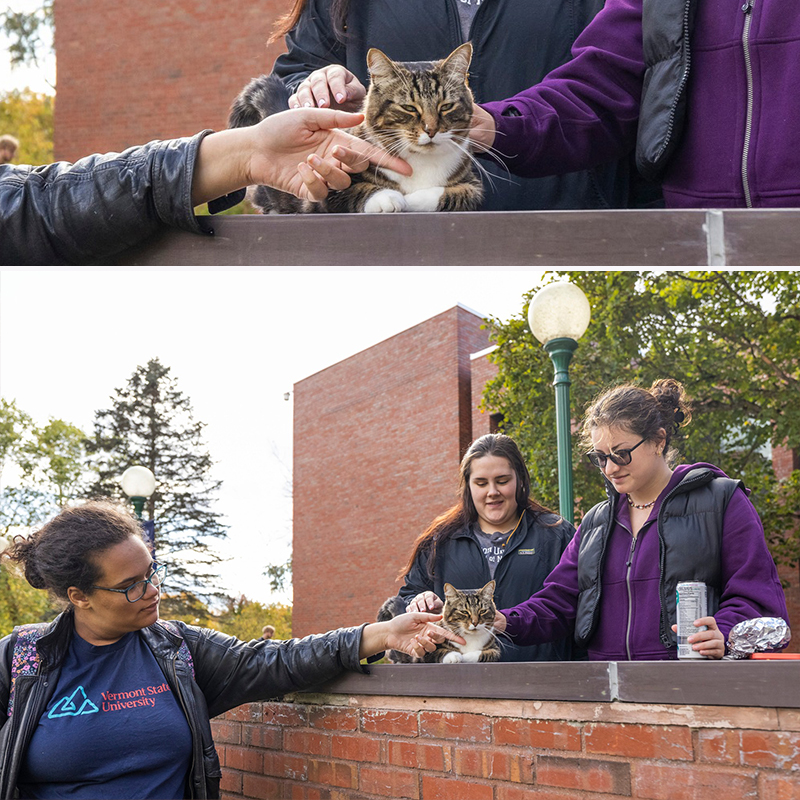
(25, 658)
(184, 653)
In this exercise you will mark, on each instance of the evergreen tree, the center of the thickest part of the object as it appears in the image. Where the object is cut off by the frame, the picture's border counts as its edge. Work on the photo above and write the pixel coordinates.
(150, 423)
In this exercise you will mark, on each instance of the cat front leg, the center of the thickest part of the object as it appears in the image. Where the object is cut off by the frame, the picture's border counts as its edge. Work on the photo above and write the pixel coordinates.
(425, 199)
(453, 657)
(385, 201)
(466, 196)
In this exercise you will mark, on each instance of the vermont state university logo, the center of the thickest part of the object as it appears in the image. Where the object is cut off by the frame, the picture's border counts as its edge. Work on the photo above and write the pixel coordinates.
(73, 706)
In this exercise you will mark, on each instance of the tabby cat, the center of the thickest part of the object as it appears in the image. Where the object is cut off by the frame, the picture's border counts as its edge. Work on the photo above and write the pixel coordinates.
(420, 111)
(470, 613)
(467, 612)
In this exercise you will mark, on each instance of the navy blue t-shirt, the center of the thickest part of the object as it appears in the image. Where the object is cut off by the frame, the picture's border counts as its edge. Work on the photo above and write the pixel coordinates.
(113, 729)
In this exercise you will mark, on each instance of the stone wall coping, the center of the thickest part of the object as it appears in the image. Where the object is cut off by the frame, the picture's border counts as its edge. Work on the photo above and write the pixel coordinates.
(751, 692)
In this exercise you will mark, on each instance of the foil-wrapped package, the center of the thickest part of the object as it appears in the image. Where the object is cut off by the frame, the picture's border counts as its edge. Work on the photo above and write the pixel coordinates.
(757, 635)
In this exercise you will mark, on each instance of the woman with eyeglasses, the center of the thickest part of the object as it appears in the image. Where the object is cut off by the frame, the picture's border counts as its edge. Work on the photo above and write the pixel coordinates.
(616, 583)
(110, 701)
(496, 531)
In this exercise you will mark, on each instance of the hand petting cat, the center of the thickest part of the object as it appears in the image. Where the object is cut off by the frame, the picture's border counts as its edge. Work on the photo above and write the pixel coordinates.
(415, 634)
(330, 87)
(268, 153)
(428, 602)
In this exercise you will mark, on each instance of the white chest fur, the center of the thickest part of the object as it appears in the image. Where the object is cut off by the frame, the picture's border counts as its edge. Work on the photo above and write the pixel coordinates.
(431, 168)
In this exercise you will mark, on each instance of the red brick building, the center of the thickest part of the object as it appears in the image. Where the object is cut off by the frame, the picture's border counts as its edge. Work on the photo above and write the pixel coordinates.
(132, 72)
(378, 439)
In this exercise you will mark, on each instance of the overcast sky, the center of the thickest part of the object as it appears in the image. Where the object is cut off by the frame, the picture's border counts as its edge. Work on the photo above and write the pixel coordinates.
(39, 78)
(235, 342)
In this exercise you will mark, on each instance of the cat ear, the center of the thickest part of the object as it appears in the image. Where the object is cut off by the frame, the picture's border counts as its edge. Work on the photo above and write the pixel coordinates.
(488, 590)
(380, 65)
(450, 590)
(457, 63)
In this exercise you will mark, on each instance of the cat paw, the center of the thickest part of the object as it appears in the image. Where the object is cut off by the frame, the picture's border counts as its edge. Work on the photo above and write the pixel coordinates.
(473, 657)
(385, 201)
(453, 658)
(425, 199)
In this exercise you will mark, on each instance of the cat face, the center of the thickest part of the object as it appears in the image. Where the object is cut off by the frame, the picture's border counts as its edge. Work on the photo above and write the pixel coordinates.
(469, 609)
(416, 107)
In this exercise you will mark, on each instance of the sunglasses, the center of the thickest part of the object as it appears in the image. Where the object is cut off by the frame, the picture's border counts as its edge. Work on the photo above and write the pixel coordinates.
(621, 458)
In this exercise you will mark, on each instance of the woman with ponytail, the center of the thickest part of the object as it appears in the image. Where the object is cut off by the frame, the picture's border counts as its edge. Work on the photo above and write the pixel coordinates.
(661, 525)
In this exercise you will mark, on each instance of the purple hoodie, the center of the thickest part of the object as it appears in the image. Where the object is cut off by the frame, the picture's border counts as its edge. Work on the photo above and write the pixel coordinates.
(629, 629)
(585, 112)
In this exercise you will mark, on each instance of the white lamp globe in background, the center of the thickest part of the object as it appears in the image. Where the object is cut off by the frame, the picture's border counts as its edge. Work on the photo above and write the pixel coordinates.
(559, 311)
(138, 482)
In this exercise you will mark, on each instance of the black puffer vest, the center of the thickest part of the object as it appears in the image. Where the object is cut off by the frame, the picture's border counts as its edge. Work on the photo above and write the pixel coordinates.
(666, 32)
(689, 541)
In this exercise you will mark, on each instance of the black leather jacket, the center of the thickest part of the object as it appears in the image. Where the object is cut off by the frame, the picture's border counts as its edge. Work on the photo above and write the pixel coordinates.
(228, 672)
(103, 204)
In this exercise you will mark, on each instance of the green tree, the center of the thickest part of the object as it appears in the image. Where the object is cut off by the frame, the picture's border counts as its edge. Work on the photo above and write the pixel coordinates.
(29, 117)
(150, 422)
(20, 603)
(47, 464)
(730, 337)
(245, 618)
(31, 33)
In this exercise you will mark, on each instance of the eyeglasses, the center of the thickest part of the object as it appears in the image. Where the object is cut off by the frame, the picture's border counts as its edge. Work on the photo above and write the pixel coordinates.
(621, 458)
(136, 590)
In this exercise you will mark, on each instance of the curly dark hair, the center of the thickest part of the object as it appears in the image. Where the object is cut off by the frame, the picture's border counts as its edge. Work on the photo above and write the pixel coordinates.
(63, 552)
(644, 412)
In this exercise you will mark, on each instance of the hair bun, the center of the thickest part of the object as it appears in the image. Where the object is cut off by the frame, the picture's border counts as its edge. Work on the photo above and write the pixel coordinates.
(679, 416)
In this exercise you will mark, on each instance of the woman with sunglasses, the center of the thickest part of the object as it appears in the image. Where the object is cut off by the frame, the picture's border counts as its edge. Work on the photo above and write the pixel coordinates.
(110, 701)
(616, 583)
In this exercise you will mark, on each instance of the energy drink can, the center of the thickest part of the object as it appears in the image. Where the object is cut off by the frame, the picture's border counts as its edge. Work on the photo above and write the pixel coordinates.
(692, 603)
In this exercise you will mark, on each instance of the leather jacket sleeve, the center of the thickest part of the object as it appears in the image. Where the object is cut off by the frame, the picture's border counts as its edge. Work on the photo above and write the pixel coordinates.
(311, 45)
(230, 672)
(66, 213)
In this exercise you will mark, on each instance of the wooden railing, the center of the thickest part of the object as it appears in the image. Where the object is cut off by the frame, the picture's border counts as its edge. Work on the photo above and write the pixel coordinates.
(652, 238)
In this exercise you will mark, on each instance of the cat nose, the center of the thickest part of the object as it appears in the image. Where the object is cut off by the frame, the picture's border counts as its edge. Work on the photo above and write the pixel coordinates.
(430, 127)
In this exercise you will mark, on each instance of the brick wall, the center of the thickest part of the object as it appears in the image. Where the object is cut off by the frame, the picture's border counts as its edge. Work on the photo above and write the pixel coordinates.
(378, 439)
(457, 749)
(132, 72)
(483, 371)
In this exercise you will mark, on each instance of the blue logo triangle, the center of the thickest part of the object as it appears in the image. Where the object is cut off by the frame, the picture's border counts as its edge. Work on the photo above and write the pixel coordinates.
(68, 706)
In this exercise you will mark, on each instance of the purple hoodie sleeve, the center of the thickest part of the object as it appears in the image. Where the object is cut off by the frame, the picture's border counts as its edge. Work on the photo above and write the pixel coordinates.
(751, 587)
(548, 615)
(585, 112)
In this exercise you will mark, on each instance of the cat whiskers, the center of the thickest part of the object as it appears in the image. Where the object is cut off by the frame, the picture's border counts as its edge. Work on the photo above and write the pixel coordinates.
(488, 176)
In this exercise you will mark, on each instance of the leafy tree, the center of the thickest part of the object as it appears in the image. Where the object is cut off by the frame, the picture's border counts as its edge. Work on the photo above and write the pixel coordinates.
(47, 463)
(30, 32)
(280, 575)
(29, 117)
(730, 337)
(150, 422)
(20, 603)
(245, 618)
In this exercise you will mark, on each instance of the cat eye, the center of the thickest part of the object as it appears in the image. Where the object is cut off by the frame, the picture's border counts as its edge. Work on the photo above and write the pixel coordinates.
(410, 109)
(445, 107)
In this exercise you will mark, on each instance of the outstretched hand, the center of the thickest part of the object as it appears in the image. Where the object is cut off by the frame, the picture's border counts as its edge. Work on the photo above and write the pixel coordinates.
(414, 634)
(304, 152)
